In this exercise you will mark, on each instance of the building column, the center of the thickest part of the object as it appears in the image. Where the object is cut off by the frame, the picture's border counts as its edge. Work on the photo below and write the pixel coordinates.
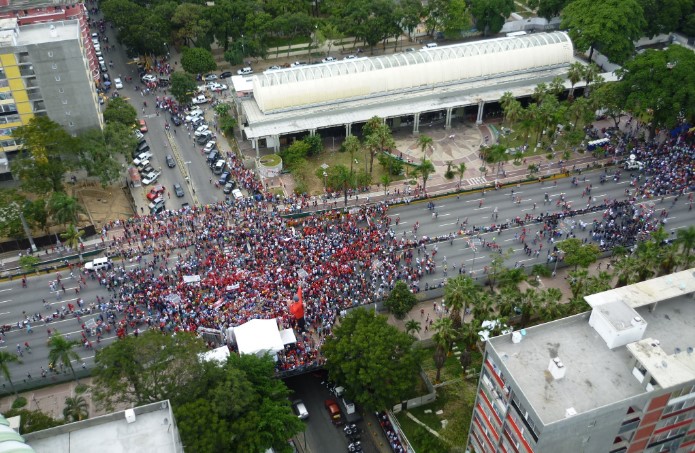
(447, 124)
(276, 143)
(348, 130)
(416, 124)
(481, 108)
(254, 143)
(312, 132)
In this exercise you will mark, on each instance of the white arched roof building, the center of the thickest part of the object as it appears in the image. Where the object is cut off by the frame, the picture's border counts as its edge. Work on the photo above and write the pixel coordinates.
(303, 86)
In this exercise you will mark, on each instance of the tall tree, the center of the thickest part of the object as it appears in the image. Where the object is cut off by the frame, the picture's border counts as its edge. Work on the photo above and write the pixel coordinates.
(378, 138)
(341, 178)
(197, 61)
(575, 74)
(659, 85)
(118, 110)
(444, 336)
(11, 203)
(412, 327)
(578, 254)
(685, 238)
(611, 25)
(48, 152)
(490, 15)
(460, 171)
(145, 369)
(7, 358)
(548, 8)
(424, 142)
(72, 236)
(191, 24)
(64, 208)
(352, 146)
(61, 350)
(425, 169)
(182, 87)
(372, 359)
(459, 292)
(665, 16)
(400, 300)
(98, 154)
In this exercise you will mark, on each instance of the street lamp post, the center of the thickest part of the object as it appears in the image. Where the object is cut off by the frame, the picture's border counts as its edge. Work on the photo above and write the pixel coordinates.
(243, 51)
(325, 185)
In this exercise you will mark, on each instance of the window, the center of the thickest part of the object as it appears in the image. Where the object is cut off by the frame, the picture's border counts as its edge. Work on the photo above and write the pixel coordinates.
(68, 113)
(2, 73)
(5, 95)
(71, 124)
(4, 119)
(8, 143)
(7, 130)
(8, 108)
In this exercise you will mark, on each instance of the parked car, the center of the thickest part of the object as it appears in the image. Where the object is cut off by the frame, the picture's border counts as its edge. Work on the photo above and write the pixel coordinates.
(200, 99)
(300, 409)
(156, 208)
(274, 68)
(297, 64)
(198, 122)
(430, 45)
(328, 60)
(204, 138)
(410, 49)
(171, 163)
(225, 75)
(229, 187)
(209, 146)
(150, 178)
(333, 411)
(210, 77)
(152, 195)
(138, 134)
(245, 71)
(201, 129)
(178, 190)
(224, 177)
(236, 193)
(142, 125)
(149, 78)
(119, 84)
(176, 120)
(144, 155)
(350, 57)
(214, 86)
(190, 118)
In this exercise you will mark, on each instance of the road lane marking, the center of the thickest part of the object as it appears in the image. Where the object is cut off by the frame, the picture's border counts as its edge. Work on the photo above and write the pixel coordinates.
(6, 301)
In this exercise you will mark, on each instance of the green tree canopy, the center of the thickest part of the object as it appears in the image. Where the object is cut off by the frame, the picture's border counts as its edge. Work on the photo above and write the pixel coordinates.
(578, 254)
(665, 16)
(182, 86)
(243, 407)
(11, 203)
(145, 369)
(659, 85)
(610, 25)
(31, 421)
(372, 359)
(48, 152)
(64, 208)
(61, 350)
(490, 15)
(400, 300)
(197, 61)
(548, 8)
(118, 110)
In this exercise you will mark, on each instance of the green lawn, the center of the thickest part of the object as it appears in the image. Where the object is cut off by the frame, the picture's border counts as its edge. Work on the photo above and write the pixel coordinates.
(452, 367)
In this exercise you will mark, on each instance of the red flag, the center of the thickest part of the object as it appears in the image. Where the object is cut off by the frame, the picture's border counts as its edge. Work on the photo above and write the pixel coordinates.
(297, 308)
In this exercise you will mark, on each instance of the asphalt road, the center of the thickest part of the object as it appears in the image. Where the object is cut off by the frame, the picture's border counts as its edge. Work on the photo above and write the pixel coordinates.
(478, 209)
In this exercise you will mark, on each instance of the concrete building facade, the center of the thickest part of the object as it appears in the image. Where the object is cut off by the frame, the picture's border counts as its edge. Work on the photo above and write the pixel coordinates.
(45, 70)
(620, 378)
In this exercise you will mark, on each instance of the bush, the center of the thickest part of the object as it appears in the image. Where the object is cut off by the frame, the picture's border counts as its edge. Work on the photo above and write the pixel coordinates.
(449, 174)
(401, 300)
(19, 403)
(81, 388)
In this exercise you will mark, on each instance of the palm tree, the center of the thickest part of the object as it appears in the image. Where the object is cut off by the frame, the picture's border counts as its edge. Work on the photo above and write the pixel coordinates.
(540, 93)
(551, 308)
(72, 236)
(483, 308)
(512, 277)
(352, 145)
(425, 169)
(686, 239)
(75, 409)
(506, 99)
(5, 359)
(591, 72)
(64, 208)
(378, 138)
(557, 86)
(460, 170)
(512, 112)
(412, 327)
(444, 336)
(424, 142)
(530, 300)
(60, 350)
(459, 292)
(575, 74)
(469, 333)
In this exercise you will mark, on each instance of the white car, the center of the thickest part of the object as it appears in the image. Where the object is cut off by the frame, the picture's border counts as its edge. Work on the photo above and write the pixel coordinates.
(144, 156)
(150, 178)
(296, 64)
(300, 409)
(350, 57)
(214, 86)
(118, 83)
(200, 99)
(328, 60)
(273, 68)
(210, 77)
(138, 134)
(209, 146)
(245, 71)
(201, 130)
(149, 78)
(195, 112)
(192, 118)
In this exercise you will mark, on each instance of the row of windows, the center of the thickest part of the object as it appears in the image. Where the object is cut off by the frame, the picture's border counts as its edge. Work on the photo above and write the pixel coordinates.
(8, 143)
(8, 108)
(4, 119)
(7, 130)
(4, 95)
(679, 406)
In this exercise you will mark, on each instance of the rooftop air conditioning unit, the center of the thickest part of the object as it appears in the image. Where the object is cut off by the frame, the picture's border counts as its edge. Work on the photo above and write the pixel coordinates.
(130, 415)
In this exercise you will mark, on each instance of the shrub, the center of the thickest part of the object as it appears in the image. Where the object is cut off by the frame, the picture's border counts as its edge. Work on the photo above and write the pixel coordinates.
(401, 300)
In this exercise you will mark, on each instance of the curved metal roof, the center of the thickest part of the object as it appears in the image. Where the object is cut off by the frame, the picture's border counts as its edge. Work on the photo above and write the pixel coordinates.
(407, 59)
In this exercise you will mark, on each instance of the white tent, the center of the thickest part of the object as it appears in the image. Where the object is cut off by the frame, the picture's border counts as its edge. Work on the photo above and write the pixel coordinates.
(258, 336)
(190, 279)
(218, 354)
(287, 336)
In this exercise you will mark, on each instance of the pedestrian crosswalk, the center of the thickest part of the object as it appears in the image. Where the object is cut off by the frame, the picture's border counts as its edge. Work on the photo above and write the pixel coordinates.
(479, 181)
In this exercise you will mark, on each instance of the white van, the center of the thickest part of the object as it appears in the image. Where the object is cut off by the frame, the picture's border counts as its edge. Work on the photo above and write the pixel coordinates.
(237, 194)
(430, 45)
(98, 264)
(200, 99)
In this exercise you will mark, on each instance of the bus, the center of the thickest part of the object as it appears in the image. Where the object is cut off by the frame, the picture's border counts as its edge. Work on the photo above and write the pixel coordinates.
(516, 33)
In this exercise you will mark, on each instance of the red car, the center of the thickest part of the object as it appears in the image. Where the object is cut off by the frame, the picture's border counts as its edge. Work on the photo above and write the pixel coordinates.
(142, 124)
(334, 411)
(155, 192)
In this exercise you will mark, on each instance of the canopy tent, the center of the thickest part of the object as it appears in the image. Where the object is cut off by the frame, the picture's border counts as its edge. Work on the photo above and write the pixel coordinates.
(258, 336)
(287, 336)
(218, 355)
(189, 279)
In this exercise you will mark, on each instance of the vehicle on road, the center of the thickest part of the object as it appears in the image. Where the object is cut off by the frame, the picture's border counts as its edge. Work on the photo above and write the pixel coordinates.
(245, 71)
(300, 409)
(209, 146)
(157, 206)
(149, 78)
(430, 45)
(224, 177)
(297, 64)
(333, 411)
(225, 75)
(138, 134)
(214, 86)
(98, 264)
(274, 68)
(219, 167)
(229, 187)
(119, 84)
(178, 190)
(201, 130)
(171, 163)
(210, 77)
(204, 138)
(142, 125)
(410, 49)
(236, 193)
(144, 155)
(350, 57)
(176, 120)
(150, 178)
(328, 60)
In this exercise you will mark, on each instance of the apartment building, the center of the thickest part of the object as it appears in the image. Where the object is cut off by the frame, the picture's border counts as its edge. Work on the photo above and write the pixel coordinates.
(620, 378)
(44, 70)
